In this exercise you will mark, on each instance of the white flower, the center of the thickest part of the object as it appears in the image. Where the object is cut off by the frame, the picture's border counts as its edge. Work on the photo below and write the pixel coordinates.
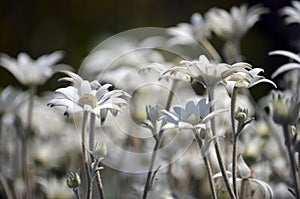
(30, 72)
(83, 97)
(259, 188)
(288, 66)
(186, 33)
(235, 24)
(284, 108)
(246, 79)
(209, 73)
(193, 116)
(292, 13)
(10, 99)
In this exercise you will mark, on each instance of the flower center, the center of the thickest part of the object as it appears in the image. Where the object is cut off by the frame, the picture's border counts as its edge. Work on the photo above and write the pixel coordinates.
(88, 99)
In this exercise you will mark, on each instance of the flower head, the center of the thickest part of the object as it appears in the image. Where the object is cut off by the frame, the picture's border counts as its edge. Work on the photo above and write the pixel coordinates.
(292, 13)
(193, 116)
(185, 33)
(285, 109)
(30, 72)
(235, 24)
(245, 79)
(88, 96)
(208, 73)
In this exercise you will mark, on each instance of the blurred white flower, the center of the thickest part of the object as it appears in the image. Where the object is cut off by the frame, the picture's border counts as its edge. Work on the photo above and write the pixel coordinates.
(288, 66)
(186, 33)
(121, 51)
(208, 73)
(83, 97)
(30, 72)
(284, 109)
(193, 116)
(233, 25)
(10, 99)
(56, 188)
(292, 13)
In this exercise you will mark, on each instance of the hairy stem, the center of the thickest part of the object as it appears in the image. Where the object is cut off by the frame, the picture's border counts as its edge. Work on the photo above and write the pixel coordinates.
(234, 142)
(92, 145)
(149, 176)
(218, 148)
(158, 140)
(85, 157)
(292, 158)
(208, 169)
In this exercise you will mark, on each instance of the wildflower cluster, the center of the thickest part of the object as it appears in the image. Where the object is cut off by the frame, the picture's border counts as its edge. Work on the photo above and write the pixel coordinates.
(161, 124)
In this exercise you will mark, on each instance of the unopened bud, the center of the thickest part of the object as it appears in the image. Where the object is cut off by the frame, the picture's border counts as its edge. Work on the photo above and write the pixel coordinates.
(100, 151)
(73, 180)
(241, 114)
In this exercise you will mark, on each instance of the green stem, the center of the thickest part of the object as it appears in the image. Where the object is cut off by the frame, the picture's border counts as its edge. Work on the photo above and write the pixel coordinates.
(85, 157)
(234, 137)
(208, 169)
(291, 157)
(218, 148)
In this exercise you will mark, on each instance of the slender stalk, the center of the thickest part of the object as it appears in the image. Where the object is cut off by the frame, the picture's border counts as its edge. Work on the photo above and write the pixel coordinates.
(158, 140)
(76, 193)
(292, 158)
(92, 131)
(210, 50)
(5, 186)
(85, 157)
(171, 94)
(208, 169)
(24, 139)
(149, 176)
(237, 45)
(92, 145)
(234, 142)
(218, 149)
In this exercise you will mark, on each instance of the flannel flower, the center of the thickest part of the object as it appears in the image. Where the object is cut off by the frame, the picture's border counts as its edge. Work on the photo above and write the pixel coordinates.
(193, 116)
(88, 96)
(208, 73)
(235, 24)
(245, 79)
(32, 73)
(185, 33)
(284, 108)
(292, 13)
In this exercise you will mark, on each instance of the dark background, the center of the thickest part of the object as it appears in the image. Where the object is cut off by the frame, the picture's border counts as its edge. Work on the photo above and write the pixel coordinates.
(38, 27)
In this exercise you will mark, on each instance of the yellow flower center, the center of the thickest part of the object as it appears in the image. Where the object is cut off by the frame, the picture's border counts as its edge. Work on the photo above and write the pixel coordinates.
(88, 99)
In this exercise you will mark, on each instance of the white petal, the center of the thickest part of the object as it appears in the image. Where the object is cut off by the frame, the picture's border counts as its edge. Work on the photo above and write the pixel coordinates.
(100, 92)
(85, 88)
(286, 53)
(284, 68)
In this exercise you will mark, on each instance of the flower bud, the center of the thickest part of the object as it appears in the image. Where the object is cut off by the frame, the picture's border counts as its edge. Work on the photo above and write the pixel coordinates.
(241, 114)
(73, 180)
(285, 109)
(100, 151)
